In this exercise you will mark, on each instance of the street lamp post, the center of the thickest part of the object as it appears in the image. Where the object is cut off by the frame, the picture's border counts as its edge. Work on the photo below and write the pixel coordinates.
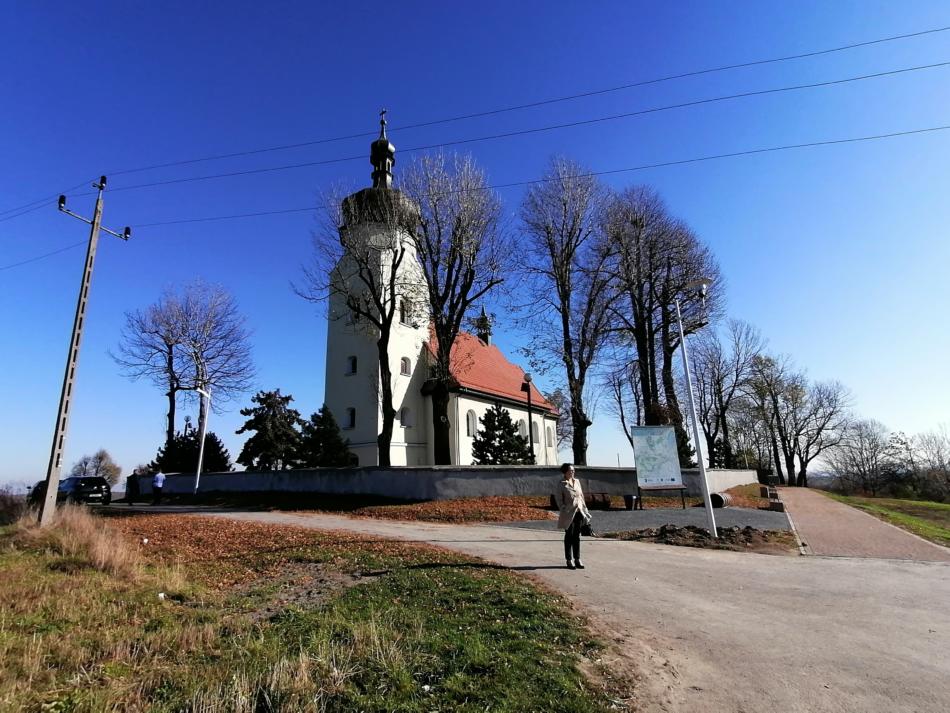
(206, 402)
(204, 409)
(700, 284)
(527, 387)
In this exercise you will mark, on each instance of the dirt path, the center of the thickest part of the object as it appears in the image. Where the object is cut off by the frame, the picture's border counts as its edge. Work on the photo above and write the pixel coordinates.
(724, 632)
(827, 527)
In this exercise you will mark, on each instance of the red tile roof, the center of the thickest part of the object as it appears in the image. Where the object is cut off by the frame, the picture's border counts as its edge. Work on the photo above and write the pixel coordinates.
(483, 368)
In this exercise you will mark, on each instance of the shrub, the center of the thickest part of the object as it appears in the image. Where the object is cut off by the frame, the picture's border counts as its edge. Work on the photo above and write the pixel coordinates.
(77, 534)
(12, 506)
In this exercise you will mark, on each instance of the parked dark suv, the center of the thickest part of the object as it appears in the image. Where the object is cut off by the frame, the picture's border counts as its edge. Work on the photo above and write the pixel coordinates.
(86, 489)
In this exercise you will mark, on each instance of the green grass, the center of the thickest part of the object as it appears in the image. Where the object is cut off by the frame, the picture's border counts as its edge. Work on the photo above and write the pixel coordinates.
(924, 518)
(416, 633)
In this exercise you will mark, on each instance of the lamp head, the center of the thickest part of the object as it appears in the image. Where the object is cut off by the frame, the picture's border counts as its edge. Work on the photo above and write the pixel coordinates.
(699, 285)
(527, 378)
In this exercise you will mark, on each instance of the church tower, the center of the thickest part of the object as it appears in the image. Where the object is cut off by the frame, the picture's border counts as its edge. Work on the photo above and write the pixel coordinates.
(377, 280)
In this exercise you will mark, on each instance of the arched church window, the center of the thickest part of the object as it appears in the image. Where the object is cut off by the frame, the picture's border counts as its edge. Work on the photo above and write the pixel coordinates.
(405, 366)
(403, 311)
(549, 437)
(522, 428)
(405, 417)
(351, 365)
(534, 433)
(470, 423)
(350, 418)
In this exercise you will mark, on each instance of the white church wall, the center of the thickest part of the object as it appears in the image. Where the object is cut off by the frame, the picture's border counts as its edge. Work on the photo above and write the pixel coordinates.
(410, 442)
(463, 403)
(361, 391)
(345, 389)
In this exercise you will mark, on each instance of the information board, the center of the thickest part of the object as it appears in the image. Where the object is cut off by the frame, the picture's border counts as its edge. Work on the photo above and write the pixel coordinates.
(657, 459)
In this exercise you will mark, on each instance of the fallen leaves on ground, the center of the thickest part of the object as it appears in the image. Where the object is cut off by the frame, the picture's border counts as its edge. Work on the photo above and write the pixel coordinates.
(229, 553)
(484, 509)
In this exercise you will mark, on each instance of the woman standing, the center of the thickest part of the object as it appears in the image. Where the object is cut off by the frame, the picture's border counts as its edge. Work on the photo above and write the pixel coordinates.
(573, 513)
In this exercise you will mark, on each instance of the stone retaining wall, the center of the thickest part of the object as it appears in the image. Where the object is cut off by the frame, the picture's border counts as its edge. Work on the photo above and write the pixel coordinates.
(432, 483)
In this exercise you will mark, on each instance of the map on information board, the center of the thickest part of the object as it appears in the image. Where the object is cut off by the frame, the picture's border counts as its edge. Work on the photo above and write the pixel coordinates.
(657, 460)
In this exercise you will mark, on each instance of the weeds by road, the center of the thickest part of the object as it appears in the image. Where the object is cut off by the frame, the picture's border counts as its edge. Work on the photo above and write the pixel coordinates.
(169, 613)
(924, 518)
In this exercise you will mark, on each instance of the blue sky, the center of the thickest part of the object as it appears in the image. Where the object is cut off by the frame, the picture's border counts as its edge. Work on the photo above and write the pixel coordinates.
(838, 253)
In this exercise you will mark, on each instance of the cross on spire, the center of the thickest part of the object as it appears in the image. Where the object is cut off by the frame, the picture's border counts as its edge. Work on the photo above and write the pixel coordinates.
(382, 155)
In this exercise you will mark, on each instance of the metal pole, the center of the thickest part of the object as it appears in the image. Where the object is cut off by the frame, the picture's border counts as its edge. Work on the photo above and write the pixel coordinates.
(527, 386)
(698, 442)
(203, 427)
(72, 360)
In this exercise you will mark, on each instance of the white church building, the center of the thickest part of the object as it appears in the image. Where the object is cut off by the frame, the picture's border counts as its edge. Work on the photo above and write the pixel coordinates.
(481, 376)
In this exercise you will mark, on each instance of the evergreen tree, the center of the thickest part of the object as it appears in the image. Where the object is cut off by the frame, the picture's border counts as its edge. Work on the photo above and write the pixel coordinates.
(180, 455)
(322, 444)
(498, 442)
(276, 442)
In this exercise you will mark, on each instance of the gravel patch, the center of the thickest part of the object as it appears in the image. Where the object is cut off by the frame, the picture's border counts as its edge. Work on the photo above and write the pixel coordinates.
(624, 520)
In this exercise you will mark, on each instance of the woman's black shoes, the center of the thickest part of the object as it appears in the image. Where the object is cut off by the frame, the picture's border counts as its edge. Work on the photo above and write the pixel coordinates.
(570, 565)
(578, 564)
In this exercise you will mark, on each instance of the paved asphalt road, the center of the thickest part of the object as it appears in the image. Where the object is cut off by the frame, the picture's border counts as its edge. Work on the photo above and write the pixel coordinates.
(721, 631)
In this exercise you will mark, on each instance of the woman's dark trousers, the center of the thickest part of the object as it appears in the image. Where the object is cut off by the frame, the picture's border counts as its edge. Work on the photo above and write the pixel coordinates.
(572, 538)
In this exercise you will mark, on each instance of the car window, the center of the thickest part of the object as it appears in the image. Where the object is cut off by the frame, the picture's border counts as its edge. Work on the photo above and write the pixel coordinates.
(66, 484)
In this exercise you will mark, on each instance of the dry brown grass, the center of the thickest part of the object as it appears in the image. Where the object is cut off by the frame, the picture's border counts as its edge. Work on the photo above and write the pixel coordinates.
(84, 539)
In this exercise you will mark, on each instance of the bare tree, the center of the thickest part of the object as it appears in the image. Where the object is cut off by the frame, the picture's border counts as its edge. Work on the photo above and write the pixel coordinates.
(565, 427)
(626, 398)
(864, 459)
(187, 340)
(148, 348)
(458, 241)
(565, 262)
(749, 435)
(775, 388)
(722, 366)
(217, 343)
(656, 258)
(804, 419)
(98, 464)
(821, 424)
(931, 466)
(365, 269)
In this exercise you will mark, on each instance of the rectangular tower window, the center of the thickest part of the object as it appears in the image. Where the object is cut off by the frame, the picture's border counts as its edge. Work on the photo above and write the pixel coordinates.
(350, 418)
(351, 365)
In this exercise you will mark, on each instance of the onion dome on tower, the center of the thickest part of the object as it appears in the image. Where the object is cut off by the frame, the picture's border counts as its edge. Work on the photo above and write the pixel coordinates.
(383, 156)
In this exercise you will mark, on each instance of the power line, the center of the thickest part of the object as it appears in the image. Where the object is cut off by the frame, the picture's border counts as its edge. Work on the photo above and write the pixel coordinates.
(37, 204)
(494, 112)
(631, 169)
(536, 130)
(543, 102)
(224, 217)
(41, 257)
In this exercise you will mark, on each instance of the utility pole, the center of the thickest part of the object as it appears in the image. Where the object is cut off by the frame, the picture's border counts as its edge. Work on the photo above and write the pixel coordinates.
(72, 360)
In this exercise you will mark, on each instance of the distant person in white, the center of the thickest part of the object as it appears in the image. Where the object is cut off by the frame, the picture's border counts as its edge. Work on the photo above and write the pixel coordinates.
(158, 482)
